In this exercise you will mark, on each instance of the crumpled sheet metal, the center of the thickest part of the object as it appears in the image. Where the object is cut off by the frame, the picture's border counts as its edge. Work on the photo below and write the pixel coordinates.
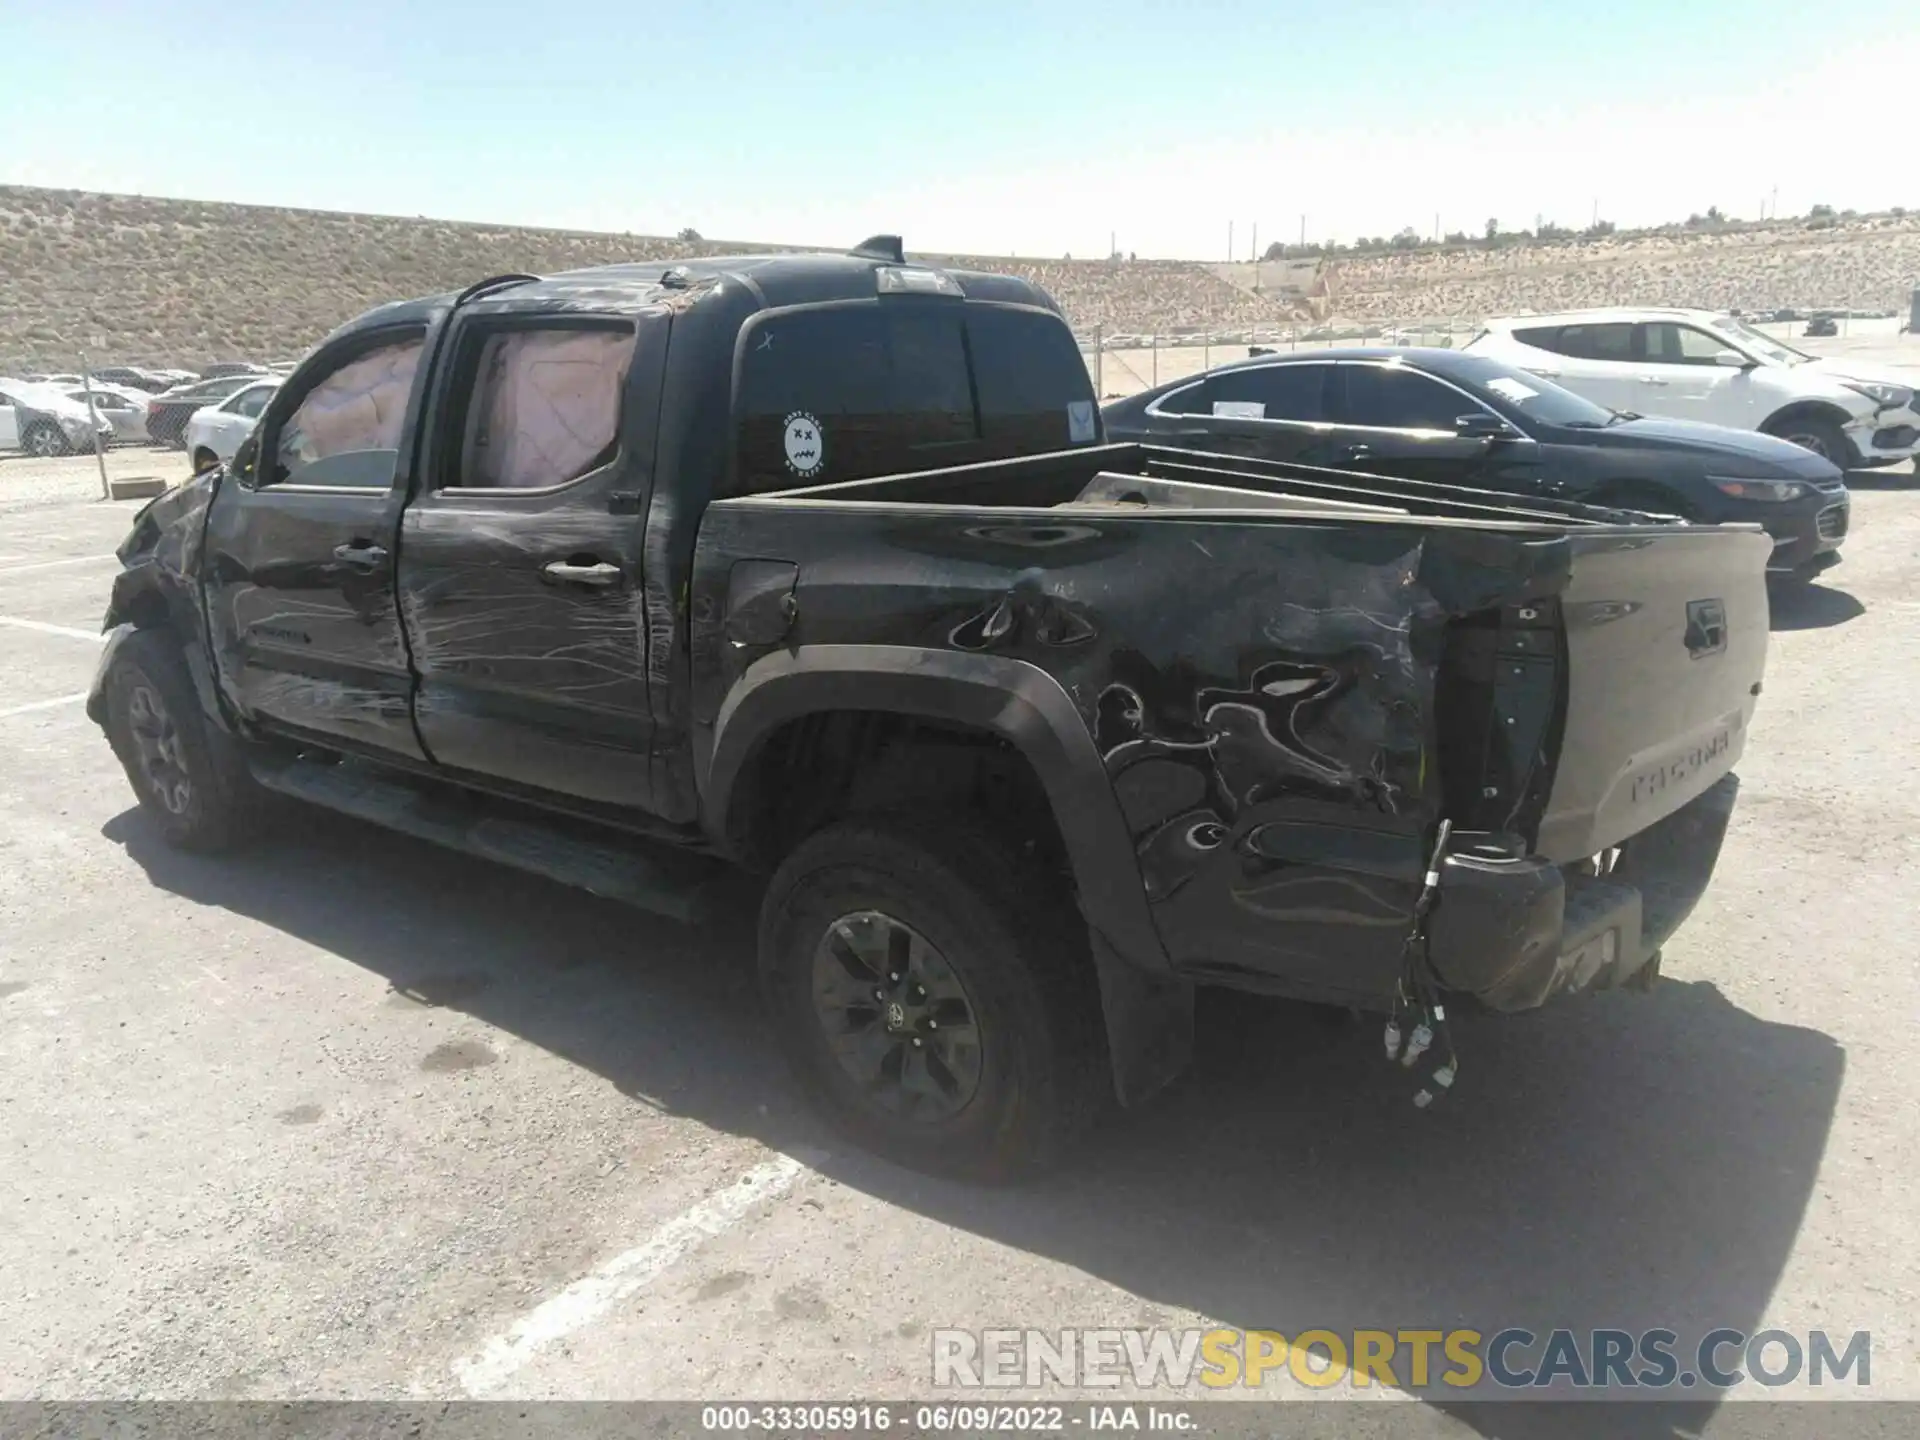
(1261, 692)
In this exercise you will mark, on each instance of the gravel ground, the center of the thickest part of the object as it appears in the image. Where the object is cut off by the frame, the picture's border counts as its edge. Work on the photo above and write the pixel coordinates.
(329, 1117)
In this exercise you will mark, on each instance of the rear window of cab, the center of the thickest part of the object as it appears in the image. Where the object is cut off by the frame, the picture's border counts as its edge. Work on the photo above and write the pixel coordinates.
(863, 388)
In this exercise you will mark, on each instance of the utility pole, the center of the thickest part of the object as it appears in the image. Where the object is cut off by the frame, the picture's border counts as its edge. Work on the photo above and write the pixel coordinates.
(93, 419)
(1436, 227)
(1254, 253)
(1596, 214)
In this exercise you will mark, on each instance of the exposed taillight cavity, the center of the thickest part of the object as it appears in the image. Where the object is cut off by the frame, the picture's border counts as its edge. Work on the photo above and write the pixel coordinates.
(1499, 700)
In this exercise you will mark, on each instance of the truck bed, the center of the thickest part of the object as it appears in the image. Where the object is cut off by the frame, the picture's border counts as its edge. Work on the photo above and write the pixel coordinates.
(1291, 675)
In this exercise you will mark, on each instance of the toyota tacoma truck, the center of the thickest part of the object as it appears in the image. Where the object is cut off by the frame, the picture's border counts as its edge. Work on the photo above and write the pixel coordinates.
(818, 565)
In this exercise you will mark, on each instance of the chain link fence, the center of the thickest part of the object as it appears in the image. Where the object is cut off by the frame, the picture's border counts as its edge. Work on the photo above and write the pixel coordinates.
(1122, 363)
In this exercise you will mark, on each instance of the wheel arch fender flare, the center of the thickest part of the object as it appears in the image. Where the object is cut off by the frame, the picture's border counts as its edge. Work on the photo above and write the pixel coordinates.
(146, 597)
(1807, 410)
(1147, 1009)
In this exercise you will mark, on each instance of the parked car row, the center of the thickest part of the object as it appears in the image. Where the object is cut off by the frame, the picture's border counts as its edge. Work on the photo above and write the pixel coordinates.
(47, 414)
(153, 381)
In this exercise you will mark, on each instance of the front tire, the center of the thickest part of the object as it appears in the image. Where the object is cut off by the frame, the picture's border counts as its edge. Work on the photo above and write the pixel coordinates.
(1822, 437)
(204, 460)
(188, 776)
(934, 996)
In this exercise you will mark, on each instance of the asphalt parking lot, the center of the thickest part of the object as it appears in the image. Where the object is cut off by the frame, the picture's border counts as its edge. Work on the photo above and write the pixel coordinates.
(345, 1115)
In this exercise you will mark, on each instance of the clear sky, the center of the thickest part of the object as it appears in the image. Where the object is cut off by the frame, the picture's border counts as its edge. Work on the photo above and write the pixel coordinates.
(982, 126)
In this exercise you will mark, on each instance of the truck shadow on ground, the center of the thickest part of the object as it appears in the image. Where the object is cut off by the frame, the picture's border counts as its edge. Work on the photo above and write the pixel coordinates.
(1626, 1161)
(1812, 607)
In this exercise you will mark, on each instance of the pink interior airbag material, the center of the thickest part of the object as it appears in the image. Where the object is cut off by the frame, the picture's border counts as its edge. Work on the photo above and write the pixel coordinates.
(549, 406)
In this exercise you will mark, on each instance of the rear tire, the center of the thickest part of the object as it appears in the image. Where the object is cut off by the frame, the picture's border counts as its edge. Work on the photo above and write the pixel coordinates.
(874, 934)
(45, 441)
(189, 777)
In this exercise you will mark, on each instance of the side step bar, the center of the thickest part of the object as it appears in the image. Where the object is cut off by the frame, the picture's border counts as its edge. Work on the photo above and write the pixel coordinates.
(672, 883)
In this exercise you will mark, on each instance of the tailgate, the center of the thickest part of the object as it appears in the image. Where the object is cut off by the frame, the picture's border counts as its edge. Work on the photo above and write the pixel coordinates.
(1666, 636)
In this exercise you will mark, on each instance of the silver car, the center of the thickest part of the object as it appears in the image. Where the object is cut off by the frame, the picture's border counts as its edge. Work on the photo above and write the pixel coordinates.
(120, 406)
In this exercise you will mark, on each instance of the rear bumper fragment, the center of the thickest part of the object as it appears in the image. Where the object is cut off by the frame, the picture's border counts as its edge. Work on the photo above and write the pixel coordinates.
(1513, 931)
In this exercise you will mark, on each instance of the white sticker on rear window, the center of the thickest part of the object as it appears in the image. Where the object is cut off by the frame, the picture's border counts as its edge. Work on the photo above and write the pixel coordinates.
(806, 447)
(1514, 390)
(1240, 409)
(1080, 426)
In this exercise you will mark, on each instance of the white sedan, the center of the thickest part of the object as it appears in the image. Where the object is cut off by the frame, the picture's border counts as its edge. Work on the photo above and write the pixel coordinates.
(42, 421)
(215, 432)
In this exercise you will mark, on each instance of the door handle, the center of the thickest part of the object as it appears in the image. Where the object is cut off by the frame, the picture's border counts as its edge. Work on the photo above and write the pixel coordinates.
(598, 573)
(361, 555)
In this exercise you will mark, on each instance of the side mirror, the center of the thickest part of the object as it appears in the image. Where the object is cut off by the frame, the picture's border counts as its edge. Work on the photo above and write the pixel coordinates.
(1732, 360)
(241, 467)
(1481, 426)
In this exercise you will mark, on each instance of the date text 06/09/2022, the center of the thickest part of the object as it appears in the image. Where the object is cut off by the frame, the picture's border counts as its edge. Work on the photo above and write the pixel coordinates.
(964, 1418)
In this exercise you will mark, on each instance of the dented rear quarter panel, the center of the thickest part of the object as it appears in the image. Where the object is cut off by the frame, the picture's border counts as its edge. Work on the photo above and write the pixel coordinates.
(1259, 691)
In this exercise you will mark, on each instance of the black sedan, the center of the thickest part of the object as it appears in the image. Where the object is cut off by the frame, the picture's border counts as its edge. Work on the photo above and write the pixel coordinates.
(167, 412)
(1468, 420)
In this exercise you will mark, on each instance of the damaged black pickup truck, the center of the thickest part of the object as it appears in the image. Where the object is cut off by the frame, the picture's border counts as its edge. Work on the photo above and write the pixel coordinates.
(816, 564)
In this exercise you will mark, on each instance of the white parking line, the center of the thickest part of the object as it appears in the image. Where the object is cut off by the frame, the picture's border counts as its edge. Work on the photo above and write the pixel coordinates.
(45, 629)
(53, 564)
(592, 1295)
(52, 704)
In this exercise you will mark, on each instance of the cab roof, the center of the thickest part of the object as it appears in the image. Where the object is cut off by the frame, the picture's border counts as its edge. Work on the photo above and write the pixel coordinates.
(779, 279)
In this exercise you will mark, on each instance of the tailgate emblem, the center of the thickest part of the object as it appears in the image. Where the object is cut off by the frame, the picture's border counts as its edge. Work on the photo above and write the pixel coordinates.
(1706, 627)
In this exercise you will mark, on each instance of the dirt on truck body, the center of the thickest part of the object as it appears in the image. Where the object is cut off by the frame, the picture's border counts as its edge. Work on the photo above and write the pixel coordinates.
(817, 565)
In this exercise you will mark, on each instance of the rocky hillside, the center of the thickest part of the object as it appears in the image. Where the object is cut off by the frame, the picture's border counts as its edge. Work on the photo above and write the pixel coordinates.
(1870, 263)
(183, 282)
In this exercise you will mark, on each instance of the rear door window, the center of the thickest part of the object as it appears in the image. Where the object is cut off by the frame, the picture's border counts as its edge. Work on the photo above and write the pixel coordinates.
(249, 403)
(1393, 397)
(1610, 341)
(1294, 391)
(1543, 337)
(1270, 392)
(543, 407)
